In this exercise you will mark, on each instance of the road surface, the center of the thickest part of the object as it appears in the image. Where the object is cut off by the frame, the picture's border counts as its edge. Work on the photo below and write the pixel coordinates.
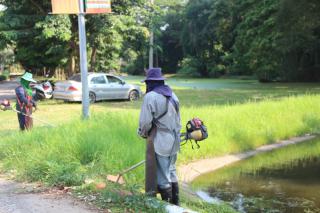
(7, 89)
(22, 198)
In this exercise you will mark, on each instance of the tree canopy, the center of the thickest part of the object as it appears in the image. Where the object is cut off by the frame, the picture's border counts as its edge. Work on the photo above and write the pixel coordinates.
(271, 39)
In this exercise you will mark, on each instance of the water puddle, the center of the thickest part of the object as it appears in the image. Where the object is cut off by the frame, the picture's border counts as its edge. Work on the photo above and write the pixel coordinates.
(287, 180)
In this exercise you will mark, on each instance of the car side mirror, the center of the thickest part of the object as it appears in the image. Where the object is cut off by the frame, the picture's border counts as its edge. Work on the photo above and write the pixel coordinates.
(122, 82)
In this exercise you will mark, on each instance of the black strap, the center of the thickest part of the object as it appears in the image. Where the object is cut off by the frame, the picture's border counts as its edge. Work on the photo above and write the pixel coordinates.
(174, 104)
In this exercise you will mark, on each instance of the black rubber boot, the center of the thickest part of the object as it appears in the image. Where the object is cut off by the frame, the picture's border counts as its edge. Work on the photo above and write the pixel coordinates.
(166, 194)
(175, 193)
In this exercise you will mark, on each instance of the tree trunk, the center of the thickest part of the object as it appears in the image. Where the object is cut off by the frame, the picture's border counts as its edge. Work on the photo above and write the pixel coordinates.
(74, 52)
(93, 59)
(157, 58)
(72, 65)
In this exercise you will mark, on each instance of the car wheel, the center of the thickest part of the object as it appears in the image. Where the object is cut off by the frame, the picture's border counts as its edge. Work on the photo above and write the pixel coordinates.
(133, 95)
(39, 95)
(92, 97)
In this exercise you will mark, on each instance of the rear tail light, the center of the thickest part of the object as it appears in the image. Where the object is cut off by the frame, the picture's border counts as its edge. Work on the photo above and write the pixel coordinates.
(72, 88)
(45, 87)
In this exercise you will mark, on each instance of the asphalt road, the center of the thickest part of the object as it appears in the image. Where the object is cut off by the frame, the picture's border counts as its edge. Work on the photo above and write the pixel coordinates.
(7, 90)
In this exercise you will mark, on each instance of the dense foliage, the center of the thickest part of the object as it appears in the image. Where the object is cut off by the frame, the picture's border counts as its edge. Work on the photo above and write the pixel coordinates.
(45, 42)
(272, 39)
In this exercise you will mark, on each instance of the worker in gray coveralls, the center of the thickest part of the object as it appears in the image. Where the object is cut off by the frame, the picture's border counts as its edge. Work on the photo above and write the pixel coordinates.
(160, 110)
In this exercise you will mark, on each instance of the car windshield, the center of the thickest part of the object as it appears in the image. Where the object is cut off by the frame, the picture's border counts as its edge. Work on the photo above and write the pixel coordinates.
(75, 78)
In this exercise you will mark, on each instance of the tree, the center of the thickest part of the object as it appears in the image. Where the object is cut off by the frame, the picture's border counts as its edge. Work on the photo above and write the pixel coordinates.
(299, 23)
(40, 41)
(207, 36)
(43, 41)
(119, 39)
(169, 47)
(255, 48)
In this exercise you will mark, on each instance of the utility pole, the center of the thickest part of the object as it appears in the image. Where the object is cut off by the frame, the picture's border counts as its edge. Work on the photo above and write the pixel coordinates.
(151, 44)
(83, 61)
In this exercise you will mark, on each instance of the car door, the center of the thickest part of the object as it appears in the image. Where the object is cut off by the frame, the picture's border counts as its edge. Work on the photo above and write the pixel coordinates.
(118, 88)
(99, 85)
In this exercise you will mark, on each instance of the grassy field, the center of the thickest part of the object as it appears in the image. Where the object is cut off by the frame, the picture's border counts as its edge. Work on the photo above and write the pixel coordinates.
(240, 115)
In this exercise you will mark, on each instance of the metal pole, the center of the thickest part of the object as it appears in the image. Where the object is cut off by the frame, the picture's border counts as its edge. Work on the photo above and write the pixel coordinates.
(83, 62)
(30, 116)
(151, 44)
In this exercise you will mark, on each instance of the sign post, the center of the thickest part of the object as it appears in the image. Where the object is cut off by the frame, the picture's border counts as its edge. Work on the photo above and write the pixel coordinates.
(82, 7)
(151, 43)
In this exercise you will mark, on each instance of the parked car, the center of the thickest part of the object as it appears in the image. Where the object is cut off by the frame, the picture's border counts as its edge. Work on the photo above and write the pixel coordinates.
(101, 87)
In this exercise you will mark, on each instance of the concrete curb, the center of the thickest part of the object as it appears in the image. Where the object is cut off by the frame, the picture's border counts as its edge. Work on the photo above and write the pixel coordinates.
(177, 209)
(187, 173)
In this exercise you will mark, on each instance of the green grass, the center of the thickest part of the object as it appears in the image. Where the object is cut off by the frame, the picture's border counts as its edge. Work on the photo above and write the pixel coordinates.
(98, 143)
(95, 147)
(121, 198)
(89, 148)
(240, 115)
(243, 127)
(231, 93)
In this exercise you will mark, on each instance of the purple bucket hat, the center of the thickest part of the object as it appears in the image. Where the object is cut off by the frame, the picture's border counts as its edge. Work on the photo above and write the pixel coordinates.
(154, 74)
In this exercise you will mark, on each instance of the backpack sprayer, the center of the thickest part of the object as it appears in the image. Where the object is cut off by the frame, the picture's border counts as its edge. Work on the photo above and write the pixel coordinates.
(5, 105)
(195, 131)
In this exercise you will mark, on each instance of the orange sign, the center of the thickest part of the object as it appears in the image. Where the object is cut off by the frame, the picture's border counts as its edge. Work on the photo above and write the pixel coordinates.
(98, 6)
(65, 6)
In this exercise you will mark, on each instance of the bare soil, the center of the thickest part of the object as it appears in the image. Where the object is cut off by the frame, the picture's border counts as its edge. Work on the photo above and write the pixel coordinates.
(26, 198)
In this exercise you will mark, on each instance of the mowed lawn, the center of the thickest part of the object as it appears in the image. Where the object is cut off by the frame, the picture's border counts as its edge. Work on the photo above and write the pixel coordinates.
(191, 92)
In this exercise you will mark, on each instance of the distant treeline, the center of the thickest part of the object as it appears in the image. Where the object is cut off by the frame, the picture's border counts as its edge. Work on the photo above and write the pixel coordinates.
(271, 39)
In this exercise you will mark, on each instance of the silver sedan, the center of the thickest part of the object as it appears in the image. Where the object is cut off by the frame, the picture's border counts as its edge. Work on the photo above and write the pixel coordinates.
(101, 87)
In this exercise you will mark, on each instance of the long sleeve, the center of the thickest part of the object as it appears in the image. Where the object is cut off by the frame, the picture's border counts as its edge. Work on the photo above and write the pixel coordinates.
(22, 98)
(146, 117)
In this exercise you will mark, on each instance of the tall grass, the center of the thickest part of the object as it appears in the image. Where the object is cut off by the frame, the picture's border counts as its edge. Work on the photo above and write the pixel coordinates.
(243, 127)
(108, 142)
(105, 144)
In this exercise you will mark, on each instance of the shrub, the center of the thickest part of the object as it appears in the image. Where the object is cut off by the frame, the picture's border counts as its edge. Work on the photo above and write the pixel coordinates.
(68, 174)
(190, 67)
(3, 77)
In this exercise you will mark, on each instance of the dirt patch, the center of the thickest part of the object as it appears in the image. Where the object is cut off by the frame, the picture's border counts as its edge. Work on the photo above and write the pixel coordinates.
(26, 198)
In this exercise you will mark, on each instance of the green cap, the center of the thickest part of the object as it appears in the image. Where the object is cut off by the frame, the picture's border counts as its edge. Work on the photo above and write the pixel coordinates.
(28, 77)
